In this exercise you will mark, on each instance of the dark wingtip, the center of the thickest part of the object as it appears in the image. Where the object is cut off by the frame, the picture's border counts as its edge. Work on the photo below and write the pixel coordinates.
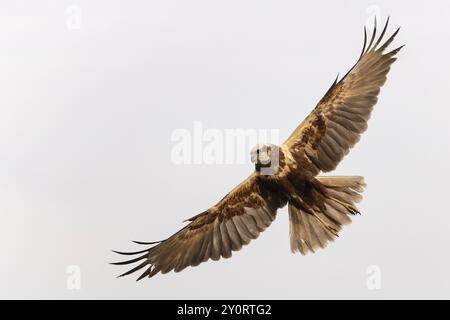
(395, 33)
(144, 274)
(374, 34)
(146, 243)
(138, 267)
(400, 48)
(130, 261)
(388, 41)
(382, 34)
(365, 43)
(130, 253)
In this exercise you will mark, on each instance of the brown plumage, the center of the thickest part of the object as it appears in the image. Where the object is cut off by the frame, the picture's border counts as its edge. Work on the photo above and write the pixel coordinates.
(318, 206)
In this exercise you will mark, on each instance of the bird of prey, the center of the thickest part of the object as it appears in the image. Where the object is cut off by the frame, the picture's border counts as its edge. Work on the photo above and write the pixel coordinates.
(289, 175)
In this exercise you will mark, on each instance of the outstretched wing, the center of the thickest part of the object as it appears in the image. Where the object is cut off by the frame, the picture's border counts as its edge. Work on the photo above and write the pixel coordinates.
(336, 123)
(237, 219)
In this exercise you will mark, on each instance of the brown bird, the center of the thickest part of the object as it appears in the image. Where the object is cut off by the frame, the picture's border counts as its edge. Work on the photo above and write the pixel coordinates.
(288, 174)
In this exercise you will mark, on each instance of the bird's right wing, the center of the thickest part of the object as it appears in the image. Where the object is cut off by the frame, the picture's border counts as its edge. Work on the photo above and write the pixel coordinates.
(238, 218)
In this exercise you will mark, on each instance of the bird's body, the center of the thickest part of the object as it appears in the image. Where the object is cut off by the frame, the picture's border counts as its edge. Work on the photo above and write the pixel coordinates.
(288, 174)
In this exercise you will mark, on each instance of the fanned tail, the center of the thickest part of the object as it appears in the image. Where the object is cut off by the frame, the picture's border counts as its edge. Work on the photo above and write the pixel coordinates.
(311, 231)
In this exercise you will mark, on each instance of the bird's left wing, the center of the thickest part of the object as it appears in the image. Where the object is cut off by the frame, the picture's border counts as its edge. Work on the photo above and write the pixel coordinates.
(338, 120)
(237, 219)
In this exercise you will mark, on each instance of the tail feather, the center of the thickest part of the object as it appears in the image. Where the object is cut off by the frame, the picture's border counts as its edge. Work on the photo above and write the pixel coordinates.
(309, 232)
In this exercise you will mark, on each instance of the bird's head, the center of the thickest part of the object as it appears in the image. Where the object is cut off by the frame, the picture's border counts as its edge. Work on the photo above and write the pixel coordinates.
(263, 155)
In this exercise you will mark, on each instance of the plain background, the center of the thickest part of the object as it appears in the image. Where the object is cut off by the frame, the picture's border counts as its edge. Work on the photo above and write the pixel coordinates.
(86, 117)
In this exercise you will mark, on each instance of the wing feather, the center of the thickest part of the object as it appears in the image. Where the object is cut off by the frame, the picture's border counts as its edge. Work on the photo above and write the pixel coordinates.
(336, 123)
(236, 220)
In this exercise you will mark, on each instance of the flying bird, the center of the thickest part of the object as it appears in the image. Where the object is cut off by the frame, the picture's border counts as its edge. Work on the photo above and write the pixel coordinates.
(289, 174)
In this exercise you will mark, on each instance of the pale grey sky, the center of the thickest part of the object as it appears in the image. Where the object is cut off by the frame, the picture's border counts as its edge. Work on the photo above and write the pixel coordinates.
(86, 119)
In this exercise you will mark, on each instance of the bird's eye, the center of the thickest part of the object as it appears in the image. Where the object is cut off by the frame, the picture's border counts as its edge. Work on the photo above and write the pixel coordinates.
(257, 151)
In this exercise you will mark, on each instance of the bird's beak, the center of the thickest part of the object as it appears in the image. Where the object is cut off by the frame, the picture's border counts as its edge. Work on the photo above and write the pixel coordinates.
(264, 159)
